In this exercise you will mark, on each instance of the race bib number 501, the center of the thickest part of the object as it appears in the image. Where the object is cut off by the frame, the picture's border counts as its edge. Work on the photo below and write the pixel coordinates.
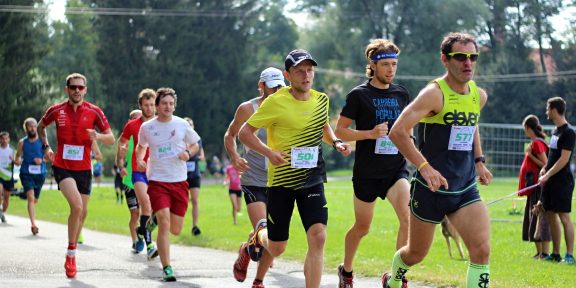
(304, 157)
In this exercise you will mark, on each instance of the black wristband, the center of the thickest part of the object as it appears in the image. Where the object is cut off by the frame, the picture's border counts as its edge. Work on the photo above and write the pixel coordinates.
(336, 141)
(480, 159)
(45, 146)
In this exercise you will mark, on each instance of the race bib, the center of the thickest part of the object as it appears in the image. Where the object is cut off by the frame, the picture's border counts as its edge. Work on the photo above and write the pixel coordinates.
(34, 169)
(554, 142)
(73, 152)
(461, 138)
(166, 150)
(191, 166)
(304, 157)
(385, 146)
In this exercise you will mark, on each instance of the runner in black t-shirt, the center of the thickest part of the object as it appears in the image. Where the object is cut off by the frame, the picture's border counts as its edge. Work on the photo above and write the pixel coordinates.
(558, 180)
(379, 169)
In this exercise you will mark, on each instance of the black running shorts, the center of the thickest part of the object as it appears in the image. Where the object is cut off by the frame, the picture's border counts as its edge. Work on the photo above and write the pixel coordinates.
(311, 206)
(367, 190)
(431, 206)
(193, 182)
(83, 178)
(254, 194)
(557, 196)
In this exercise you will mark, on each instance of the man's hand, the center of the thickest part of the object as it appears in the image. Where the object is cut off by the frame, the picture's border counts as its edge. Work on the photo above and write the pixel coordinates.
(123, 172)
(184, 156)
(277, 158)
(344, 148)
(240, 164)
(433, 178)
(484, 175)
(49, 155)
(142, 165)
(379, 130)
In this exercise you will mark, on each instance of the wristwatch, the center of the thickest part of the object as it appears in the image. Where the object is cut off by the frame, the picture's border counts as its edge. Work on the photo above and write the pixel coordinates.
(480, 159)
(336, 141)
(45, 146)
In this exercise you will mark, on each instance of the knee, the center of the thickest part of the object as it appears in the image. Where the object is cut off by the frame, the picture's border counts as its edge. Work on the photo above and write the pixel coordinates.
(480, 253)
(276, 250)
(361, 229)
(175, 230)
(76, 209)
(317, 238)
(413, 256)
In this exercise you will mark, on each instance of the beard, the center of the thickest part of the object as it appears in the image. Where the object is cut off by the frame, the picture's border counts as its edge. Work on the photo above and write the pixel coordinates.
(383, 80)
(31, 134)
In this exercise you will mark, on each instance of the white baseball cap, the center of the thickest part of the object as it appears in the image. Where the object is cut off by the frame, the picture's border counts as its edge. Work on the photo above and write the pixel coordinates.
(272, 77)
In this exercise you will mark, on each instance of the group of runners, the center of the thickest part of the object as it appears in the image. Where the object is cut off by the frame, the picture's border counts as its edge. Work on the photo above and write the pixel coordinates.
(282, 164)
(283, 129)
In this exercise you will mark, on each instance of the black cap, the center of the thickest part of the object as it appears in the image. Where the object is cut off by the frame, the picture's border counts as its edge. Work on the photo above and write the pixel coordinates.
(296, 56)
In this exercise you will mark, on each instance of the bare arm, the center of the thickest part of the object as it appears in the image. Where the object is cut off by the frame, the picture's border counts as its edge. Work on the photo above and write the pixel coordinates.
(344, 132)
(484, 175)
(140, 153)
(97, 152)
(243, 112)
(427, 103)
(329, 137)
(49, 154)
(106, 137)
(19, 152)
(122, 147)
(247, 135)
(201, 156)
(540, 159)
(562, 161)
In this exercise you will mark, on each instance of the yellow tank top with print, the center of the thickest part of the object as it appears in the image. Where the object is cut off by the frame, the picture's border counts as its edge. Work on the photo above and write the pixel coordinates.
(447, 138)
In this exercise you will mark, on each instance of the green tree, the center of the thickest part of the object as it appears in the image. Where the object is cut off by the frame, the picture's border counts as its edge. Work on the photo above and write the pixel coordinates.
(21, 49)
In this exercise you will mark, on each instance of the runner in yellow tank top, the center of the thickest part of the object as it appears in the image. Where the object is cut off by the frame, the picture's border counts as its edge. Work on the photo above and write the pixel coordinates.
(296, 122)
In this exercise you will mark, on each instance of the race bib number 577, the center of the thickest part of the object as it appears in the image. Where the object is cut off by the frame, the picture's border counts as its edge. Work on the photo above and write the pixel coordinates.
(461, 138)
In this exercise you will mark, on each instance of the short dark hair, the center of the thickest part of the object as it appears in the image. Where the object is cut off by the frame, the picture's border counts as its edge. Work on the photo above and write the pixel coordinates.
(456, 37)
(558, 104)
(163, 92)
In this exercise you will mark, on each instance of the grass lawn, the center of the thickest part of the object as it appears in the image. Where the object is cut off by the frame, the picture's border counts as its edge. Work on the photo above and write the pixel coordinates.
(511, 261)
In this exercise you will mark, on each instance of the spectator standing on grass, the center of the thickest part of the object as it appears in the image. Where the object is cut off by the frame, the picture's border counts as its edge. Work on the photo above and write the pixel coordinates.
(534, 159)
(558, 181)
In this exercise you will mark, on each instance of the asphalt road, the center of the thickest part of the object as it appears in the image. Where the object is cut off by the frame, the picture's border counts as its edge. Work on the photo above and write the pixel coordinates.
(105, 260)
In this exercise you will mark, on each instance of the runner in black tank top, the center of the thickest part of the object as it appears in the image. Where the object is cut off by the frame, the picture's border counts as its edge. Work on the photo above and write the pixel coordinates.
(448, 158)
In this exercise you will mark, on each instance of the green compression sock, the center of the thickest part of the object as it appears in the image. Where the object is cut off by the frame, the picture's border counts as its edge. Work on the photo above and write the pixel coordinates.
(398, 271)
(478, 276)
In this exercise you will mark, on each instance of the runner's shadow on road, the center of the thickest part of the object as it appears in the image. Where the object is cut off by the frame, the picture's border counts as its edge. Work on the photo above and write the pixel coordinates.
(84, 247)
(33, 238)
(78, 284)
(282, 279)
(154, 273)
